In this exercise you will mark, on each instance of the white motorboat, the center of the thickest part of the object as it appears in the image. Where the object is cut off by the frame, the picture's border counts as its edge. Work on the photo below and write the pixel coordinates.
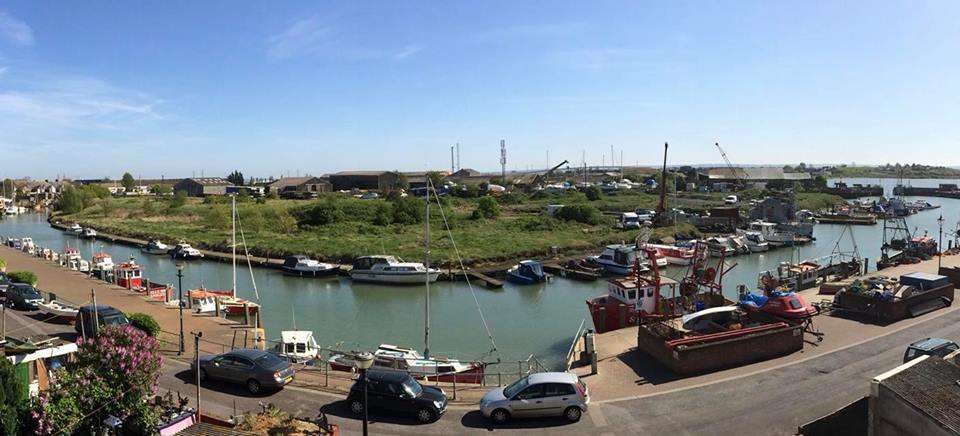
(102, 264)
(184, 251)
(388, 269)
(155, 247)
(755, 241)
(620, 259)
(88, 233)
(303, 266)
(57, 309)
(73, 228)
(674, 255)
(83, 265)
(410, 360)
(26, 244)
(298, 346)
(771, 234)
(719, 246)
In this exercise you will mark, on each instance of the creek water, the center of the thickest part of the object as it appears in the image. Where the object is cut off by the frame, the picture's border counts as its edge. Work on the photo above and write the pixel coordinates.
(523, 320)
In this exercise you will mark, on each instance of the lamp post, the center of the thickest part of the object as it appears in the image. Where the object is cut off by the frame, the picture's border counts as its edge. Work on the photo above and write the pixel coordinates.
(940, 245)
(363, 362)
(180, 302)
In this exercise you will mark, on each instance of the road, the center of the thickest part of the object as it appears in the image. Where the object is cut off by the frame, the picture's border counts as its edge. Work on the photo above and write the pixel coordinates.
(773, 401)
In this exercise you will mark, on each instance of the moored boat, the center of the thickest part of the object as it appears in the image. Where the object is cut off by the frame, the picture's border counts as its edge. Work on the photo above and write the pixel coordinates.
(390, 270)
(129, 275)
(410, 360)
(673, 254)
(527, 272)
(297, 346)
(302, 266)
(102, 265)
(58, 310)
(184, 251)
(155, 247)
(88, 233)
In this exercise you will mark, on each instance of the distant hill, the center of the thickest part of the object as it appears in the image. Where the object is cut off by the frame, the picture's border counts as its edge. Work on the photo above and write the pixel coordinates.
(908, 171)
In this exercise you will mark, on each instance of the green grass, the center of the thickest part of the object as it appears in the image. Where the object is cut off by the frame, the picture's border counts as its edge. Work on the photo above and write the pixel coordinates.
(909, 171)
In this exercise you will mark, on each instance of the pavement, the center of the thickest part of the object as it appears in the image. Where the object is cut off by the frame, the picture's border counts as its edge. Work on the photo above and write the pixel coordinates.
(772, 397)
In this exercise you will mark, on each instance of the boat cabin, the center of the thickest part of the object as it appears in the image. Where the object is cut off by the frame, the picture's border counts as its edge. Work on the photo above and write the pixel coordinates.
(297, 345)
(129, 275)
(641, 293)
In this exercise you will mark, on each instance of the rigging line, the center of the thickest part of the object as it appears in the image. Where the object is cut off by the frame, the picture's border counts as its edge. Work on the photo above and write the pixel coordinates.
(246, 252)
(476, 301)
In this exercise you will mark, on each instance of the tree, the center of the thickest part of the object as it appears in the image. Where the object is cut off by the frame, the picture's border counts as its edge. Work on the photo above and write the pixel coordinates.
(9, 188)
(161, 189)
(27, 277)
(70, 201)
(235, 178)
(13, 396)
(178, 200)
(487, 207)
(128, 182)
(592, 192)
(436, 179)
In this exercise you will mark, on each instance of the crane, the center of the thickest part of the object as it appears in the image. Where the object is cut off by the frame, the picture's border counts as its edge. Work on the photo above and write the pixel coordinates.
(733, 171)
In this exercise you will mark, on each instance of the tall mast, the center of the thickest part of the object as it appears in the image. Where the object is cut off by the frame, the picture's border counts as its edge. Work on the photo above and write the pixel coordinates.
(426, 252)
(233, 241)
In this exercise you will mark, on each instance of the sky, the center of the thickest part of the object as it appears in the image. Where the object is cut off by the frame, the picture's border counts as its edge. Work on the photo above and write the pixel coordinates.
(182, 88)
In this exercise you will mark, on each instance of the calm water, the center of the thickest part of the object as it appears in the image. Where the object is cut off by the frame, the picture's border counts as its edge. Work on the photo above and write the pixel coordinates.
(524, 319)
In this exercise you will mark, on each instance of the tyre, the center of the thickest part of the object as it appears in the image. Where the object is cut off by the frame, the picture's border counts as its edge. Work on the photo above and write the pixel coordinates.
(253, 386)
(572, 414)
(500, 416)
(425, 415)
(356, 406)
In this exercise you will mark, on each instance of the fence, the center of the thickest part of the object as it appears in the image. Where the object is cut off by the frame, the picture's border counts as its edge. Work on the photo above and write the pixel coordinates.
(568, 362)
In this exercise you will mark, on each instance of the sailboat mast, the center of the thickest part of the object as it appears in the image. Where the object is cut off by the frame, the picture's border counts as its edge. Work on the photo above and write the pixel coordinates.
(426, 253)
(233, 241)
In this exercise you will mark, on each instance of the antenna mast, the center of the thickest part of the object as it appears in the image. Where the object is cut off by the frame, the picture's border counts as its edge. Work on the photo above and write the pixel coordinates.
(503, 159)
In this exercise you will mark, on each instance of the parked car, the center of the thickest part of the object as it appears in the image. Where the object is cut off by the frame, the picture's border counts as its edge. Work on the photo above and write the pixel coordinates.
(396, 391)
(538, 395)
(104, 316)
(731, 199)
(370, 196)
(4, 284)
(255, 369)
(23, 296)
(645, 215)
(930, 347)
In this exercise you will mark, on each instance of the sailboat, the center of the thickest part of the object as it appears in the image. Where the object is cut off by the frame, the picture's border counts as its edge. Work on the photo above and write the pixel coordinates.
(421, 365)
(229, 302)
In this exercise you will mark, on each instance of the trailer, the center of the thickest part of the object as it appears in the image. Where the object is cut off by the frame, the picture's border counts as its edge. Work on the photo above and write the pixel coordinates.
(688, 355)
(932, 292)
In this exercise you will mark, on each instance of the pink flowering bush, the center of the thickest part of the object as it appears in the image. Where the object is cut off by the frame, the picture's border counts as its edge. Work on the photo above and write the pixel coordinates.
(113, 374)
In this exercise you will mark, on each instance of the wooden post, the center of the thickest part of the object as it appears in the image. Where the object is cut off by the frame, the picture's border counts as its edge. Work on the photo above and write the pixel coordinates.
(216, 306)
(246, 313)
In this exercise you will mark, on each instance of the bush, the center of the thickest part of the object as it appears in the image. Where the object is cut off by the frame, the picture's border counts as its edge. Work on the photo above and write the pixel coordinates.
(593, 193)
(145, 323)
(408, 210)
(581, 213)
(320, 213)
(27, 277)
(382, 214)
(12, 404)
(510, 198)
(3, 264)
(178, 200)
(466, 191)
(487, 207)
(70, 201)
(538, 224)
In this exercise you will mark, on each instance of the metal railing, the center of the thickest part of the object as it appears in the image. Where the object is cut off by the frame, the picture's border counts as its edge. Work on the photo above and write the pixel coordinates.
(568, 361)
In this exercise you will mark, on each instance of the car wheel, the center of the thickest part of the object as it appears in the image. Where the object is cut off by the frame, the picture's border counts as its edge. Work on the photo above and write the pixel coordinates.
(425, 416)
(253, 386)
(203, 375)
(500, 416)
(356, 406)
(572, 414)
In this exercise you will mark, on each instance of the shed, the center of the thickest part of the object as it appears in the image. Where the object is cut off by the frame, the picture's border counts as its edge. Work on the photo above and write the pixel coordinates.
(349, 180)
(202, 186)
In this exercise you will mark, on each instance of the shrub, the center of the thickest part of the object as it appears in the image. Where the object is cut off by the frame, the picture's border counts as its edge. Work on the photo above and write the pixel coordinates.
(27, 277)
(487, 207)
(511, 198)
(538, 224)
(70, 201)
(466, 191)
(145, 323)
(408, 210)
(3, 264)
(382, 214)
(582, 213)
(319, 213)
(593, 193)
(12, 404)
(178, 200)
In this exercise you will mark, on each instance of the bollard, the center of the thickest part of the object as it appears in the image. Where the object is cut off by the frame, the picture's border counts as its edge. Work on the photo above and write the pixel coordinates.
(590, 346)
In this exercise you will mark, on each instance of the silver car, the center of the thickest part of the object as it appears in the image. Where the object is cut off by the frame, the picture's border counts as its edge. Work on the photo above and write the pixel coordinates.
(540, 394)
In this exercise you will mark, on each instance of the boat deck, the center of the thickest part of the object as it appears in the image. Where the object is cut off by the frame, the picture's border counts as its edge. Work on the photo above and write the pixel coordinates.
(625, 372)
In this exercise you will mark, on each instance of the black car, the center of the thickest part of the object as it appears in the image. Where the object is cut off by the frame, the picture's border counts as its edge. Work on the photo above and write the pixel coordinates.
(102, 314)
(398, 392)
(255, 369)
(4, 284)
(23, 296)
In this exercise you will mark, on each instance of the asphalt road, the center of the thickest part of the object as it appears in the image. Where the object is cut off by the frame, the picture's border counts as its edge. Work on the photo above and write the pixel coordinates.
(773, 401)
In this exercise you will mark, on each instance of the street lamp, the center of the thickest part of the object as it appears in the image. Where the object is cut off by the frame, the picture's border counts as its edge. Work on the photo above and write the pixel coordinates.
(940, 245)
(364, 361)
(180, 302)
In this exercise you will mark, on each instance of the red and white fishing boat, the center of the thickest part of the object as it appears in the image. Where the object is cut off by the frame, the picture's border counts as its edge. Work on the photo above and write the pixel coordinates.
(129, 275)
(631, 299)
(673, 254)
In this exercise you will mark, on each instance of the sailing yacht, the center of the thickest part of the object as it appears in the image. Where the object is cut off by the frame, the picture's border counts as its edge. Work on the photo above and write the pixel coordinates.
(421, 365)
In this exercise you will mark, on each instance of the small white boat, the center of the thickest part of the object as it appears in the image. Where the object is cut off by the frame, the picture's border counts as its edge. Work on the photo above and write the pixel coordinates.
(83, 265)
(410, 360)
(26, 244)
(58, 310)
(73, 228)
(298, 346)
(755, 241)
(388, 269)
(773, 236)
(303, 266)
(183, 250)
(155, 247)
(88, 233)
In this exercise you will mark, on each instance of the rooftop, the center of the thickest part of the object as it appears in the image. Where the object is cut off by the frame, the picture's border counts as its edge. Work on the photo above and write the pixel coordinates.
(930, 385)
(210, 181)
(755, 173)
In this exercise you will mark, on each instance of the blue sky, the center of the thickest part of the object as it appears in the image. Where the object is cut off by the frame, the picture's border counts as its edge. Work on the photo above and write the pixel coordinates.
(173, 88)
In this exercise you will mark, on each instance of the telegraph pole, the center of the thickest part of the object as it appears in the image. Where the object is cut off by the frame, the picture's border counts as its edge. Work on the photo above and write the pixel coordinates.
(503, 160)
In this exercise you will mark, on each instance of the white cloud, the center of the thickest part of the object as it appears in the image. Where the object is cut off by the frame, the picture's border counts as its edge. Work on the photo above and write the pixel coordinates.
(313, 36)
(14, 30)
(73, 101)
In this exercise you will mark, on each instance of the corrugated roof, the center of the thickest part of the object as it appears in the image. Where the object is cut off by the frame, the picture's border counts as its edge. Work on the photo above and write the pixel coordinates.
(931, 387)
(289, 181)
(210, 181)
(360, 173)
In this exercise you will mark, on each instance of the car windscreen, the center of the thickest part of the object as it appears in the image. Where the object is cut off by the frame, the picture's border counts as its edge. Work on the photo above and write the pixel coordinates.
(412, 387)
(515, 387)
(116, 319)
(28, 292)
(269, 361)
